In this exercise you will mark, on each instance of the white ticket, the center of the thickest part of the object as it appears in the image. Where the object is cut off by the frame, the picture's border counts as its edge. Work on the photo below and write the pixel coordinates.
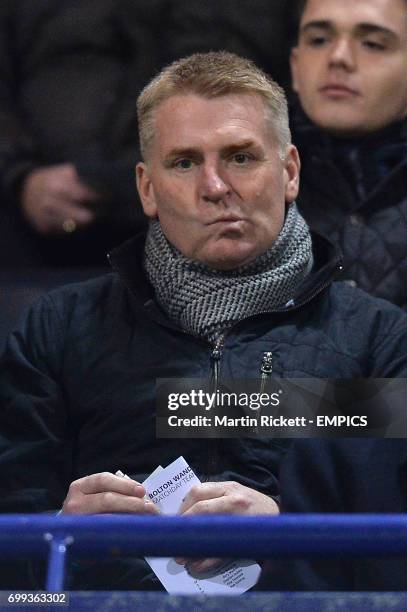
(167, 487)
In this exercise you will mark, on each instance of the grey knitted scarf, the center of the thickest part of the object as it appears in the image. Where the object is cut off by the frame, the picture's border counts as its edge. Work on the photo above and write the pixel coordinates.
(207, 302)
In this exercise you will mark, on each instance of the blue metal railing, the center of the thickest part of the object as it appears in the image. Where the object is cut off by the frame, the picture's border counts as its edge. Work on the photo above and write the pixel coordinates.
(257, 537)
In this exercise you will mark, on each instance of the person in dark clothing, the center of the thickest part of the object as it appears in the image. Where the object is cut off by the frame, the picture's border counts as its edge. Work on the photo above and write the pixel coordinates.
(365, 476)
(70, 71)
(245, 27)
(227, 274)
(349, 123)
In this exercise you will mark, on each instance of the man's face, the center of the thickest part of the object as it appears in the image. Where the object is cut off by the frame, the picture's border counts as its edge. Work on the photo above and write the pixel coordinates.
(350, 65)
(215, 179)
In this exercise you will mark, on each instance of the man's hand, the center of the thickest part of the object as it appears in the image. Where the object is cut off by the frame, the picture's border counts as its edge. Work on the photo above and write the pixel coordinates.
(55, 195)
(226, 498)
(106, 492)
(222, 498)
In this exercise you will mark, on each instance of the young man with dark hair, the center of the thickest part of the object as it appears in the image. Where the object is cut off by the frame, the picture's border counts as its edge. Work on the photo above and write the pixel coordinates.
(349, 67)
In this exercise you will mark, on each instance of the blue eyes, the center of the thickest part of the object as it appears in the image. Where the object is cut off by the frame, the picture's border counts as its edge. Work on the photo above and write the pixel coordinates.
(375, 46)
(183, 164)
(240, 158)
(186, 163)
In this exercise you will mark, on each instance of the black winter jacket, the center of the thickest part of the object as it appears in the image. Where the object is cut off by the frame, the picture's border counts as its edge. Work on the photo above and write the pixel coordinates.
(70, 72)
(354, 193)
(368, 476)
(77, 380)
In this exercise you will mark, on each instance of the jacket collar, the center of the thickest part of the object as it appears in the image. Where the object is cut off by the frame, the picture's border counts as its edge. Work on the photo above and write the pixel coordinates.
(367, 164)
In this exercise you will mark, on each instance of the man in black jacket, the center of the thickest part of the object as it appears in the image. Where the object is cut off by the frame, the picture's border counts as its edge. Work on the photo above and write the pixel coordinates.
(227, 276)
(70, 71)
(349, 123)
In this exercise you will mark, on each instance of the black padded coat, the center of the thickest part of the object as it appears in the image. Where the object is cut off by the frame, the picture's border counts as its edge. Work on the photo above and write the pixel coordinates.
(77, 380)
(355, 194)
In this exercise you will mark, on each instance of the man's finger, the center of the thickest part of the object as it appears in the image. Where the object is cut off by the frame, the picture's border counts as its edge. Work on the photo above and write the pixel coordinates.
(73, 188)
(58, 212)
(106, 482)
(82, 216)
(202, 566)
(64, 181)
(202, 492)
(108, 502)
(227, 504)
(80, 193)
(115, 502)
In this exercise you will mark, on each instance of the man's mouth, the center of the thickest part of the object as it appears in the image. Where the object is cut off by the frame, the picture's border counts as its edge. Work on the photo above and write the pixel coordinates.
(226, 219)
(338, 90)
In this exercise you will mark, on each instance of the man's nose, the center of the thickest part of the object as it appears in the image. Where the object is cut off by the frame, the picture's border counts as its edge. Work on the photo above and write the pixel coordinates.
(342, 54)
(213, 185)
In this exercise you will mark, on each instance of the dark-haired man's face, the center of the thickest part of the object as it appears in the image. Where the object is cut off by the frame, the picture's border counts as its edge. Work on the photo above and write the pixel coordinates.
(349, 68)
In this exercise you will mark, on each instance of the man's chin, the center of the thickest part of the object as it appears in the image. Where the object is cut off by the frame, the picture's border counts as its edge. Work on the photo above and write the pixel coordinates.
(341, 125)
(227, 260)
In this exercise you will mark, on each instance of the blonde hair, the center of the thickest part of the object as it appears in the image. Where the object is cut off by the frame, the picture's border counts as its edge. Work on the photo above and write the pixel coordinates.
(211, 75)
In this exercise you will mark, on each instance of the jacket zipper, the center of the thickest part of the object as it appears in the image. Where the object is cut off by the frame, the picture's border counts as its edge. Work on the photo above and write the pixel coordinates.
(213, 444)
(266, 369)
(216, 357)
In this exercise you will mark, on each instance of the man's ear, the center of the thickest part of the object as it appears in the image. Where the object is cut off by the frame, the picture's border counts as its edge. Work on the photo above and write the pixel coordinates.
(292, 166)
(146, 190)
(294, 68)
